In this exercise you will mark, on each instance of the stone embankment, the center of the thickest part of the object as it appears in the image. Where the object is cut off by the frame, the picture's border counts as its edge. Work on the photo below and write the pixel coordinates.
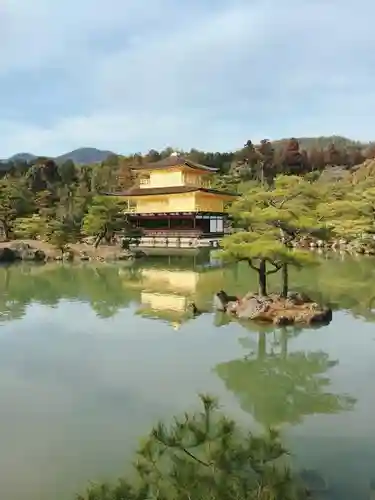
(296, 309)
(36, 251)
(354, 247)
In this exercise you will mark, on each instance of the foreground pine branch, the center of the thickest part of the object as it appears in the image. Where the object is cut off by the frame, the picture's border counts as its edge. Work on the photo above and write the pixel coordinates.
(205, 456)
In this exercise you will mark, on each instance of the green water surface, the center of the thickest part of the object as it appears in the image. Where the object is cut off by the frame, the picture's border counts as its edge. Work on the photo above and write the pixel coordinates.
(87, 366)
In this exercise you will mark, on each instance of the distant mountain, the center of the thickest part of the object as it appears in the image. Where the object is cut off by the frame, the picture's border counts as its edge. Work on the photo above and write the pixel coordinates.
(85, 155)
(22, 157)
(81, 155)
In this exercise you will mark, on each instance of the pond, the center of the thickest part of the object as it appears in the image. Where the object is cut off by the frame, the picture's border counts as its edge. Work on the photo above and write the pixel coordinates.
(91, 356)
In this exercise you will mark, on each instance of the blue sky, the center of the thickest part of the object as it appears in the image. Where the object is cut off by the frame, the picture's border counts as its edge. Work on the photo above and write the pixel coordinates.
(130, 75)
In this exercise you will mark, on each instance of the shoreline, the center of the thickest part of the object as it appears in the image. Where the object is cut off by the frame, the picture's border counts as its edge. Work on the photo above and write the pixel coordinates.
(42, 252)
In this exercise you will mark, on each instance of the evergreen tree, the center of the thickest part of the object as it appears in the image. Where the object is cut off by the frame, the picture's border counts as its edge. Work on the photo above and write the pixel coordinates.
(105, 217)
(59, 233)
(349, 209)
(15, 201)
(268, 222)
(206, 456)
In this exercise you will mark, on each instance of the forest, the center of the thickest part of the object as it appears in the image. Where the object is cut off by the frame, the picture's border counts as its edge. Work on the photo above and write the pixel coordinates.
(62, 203)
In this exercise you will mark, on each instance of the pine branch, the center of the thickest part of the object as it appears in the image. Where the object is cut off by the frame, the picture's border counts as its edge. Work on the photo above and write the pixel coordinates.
(289, 198)
(201, 462)
(276, 269)
(252, 265)
(183, 449)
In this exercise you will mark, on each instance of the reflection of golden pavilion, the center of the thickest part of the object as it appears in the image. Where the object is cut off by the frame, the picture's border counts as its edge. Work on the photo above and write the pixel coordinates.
(166, 293)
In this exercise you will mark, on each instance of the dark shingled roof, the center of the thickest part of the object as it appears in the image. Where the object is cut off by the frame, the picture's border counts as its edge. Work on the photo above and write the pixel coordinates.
(173, 161)
(168, 190)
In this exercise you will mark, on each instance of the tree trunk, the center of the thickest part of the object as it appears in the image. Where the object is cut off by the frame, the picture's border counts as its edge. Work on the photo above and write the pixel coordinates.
(284, 343)
(99, 238)
(262, 278)
(6, 230)
(285, 281)
(262, 346)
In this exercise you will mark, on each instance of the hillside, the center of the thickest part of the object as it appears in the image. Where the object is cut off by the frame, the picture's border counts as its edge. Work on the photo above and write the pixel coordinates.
(323, 142)
(78, 156)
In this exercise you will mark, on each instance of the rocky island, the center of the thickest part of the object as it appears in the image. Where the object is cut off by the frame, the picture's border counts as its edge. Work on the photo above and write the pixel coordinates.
(296, 308)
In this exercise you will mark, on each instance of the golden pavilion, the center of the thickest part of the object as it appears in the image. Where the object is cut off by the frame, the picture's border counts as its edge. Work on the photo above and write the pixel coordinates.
(174, 204)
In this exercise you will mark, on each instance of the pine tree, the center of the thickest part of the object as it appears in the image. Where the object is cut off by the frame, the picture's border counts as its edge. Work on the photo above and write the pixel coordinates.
(206, 456)
(269, 221)
(349, 210)
(15, 201)
(59, 233)
(105, 217)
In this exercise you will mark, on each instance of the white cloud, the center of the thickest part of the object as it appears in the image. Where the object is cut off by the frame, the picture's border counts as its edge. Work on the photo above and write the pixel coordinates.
(204, 74)
(41, 33)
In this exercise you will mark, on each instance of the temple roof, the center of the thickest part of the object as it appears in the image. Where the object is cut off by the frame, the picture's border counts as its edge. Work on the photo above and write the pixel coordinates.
(173, 161)
(168, 190)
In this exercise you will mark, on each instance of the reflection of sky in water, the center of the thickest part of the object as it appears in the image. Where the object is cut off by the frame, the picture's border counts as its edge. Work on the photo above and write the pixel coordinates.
(343, 443)
(77, 391)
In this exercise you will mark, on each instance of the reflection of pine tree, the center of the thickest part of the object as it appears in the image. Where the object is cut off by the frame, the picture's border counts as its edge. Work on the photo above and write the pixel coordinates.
(347, 284)
(9, 309)
(100, 286)
(283, 387)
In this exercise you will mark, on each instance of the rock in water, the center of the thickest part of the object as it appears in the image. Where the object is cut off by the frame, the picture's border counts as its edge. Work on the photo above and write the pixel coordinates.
(25, 252)
(222, 300)
(68, 256)
(322, 316)
(84, 255)
(7, 255)
(39, 256)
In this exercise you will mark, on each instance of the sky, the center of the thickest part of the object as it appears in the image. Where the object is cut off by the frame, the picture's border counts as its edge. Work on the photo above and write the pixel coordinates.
(131, 75)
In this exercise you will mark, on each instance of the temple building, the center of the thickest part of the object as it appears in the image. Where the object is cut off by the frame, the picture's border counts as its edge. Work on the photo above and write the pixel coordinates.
(174, 204)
